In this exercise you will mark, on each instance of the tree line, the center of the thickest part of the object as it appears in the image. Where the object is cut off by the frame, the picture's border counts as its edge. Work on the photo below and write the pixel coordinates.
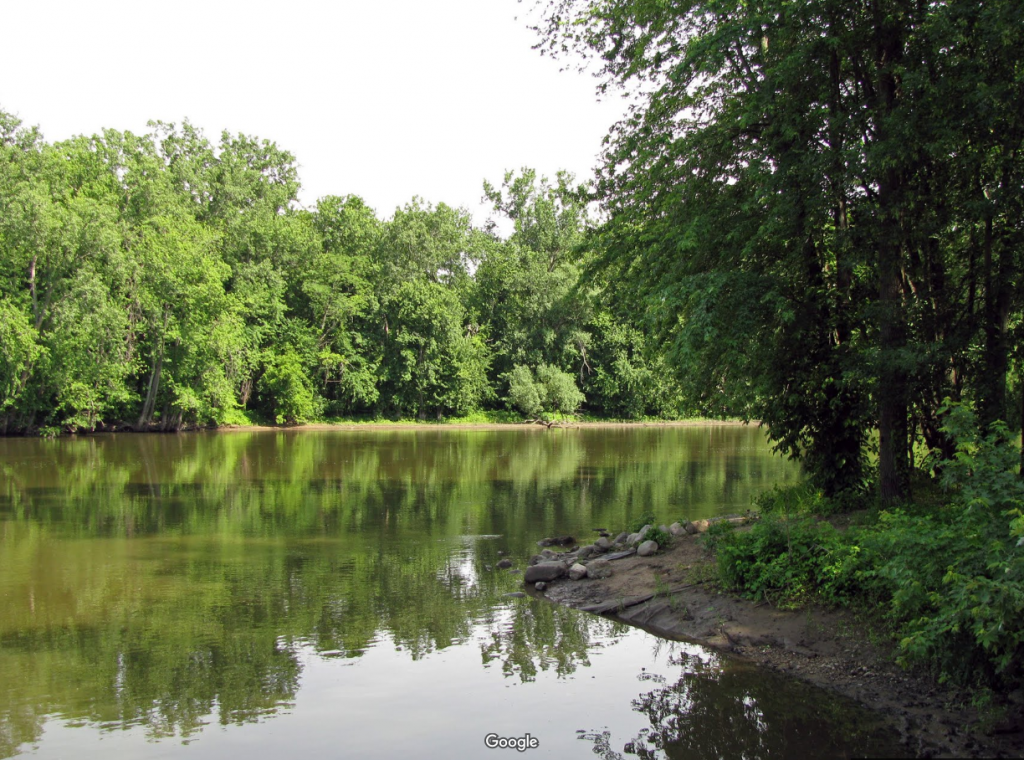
(165, 280)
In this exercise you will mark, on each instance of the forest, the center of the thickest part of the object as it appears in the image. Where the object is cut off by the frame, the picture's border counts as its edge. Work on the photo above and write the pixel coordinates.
(164, 281)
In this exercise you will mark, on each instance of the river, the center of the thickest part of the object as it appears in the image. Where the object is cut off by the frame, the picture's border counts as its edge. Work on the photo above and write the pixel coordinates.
(331, 593)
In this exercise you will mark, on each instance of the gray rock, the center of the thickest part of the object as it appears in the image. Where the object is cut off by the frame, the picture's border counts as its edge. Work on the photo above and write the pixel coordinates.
(690, 528)
(505, 564)
(676, 529)
(663, 529)
(599, 568)
(603, 543)
(548, 554)
(540, 585)
(535, 559)
(585, 552)
(577, 571)
(620, 555)
(544, 571)
(622, 538)
(634, 539)
(647, 548)
(644, 531)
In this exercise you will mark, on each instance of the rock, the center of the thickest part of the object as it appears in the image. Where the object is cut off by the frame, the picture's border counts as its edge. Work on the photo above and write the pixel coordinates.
(599, 568)
(647, 548)
(584, 553)
(690, 528)
(577, 571)
(514, 572)
(622, 538)
(620, 555)
(633, 539)
(505, 564)
(557, 541)
(548, 554)
(676, 529)
(603, 543)
(663, 529)
(701, 525)
(540, 585)
(535, 559)
(544, 571)
(643, 532)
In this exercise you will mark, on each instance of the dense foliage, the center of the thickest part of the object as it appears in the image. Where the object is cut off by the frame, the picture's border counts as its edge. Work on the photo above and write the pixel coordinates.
(820, 208)
(949, 577)
(164, 280)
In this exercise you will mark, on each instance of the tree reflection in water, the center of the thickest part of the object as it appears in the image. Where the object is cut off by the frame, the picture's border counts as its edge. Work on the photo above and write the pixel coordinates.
(720, 708)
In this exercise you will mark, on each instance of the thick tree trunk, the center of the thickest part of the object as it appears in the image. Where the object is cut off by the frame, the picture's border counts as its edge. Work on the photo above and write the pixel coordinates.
(893, 465)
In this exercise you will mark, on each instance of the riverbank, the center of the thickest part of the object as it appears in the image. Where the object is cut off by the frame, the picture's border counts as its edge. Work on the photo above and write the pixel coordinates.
(456, 425)
(675, 594)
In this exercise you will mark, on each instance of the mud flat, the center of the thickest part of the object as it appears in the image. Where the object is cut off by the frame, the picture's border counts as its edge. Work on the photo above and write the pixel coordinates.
(674, 593)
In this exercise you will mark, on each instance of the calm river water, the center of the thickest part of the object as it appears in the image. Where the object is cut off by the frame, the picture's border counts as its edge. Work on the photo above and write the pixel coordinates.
(330, 594)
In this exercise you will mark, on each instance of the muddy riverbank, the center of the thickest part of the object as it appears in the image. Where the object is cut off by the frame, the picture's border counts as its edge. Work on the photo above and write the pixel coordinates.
(674, 593)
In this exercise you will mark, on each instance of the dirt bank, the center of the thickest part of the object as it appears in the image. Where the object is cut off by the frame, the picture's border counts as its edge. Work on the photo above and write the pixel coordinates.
(674, 593)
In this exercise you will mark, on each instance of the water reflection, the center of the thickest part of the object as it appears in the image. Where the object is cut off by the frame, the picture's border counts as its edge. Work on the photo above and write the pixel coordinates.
(158, 585)
(715, 708)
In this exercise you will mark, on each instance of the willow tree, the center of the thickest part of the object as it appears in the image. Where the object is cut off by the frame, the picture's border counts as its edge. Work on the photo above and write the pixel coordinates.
(773, 203)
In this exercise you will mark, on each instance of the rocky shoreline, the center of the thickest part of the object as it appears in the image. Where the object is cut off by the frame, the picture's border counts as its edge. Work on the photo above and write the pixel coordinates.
(663, 580)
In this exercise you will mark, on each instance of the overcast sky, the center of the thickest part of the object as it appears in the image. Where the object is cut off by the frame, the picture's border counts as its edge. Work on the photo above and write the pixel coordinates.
(384, 99)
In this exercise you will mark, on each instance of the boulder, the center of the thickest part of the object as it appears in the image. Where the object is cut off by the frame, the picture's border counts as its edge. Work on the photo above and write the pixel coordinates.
(599, 568)
(643, 532)
(690, 528)
(505, 564)
(663, 528)
(603, 543)
(577, 571)
(540, 585)
(633, 539)
(676, 529)
(585, 552)
(647, 548)
(544, 571)
(701, 525)
(549, 555)
(622, 538)
(535, 559)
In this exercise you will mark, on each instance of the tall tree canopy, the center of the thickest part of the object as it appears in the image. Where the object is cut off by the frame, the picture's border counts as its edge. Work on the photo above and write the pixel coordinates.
(818, 204)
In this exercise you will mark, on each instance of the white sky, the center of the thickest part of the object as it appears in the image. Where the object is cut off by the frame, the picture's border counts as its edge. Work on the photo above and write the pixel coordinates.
(384, 99)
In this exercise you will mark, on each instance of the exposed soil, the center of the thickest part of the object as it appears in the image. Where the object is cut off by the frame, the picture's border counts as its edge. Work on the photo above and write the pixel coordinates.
(834, 649)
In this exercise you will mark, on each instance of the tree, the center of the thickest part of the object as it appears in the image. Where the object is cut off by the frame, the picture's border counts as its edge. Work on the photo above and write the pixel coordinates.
(774, 200)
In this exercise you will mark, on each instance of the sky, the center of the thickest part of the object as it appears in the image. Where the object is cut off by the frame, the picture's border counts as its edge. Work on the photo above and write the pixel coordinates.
(385, 99)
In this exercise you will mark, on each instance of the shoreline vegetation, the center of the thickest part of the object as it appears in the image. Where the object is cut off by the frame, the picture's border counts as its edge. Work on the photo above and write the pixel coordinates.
(480, 421)
(680, 592)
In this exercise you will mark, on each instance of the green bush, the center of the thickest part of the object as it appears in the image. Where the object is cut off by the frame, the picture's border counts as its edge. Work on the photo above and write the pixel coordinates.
(639, 522)
(955, 578)
(787, 561)
(949, 579)
(549, 391)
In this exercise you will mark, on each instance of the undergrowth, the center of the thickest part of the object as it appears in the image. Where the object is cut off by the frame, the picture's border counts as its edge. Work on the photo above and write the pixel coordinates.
(947, 575)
